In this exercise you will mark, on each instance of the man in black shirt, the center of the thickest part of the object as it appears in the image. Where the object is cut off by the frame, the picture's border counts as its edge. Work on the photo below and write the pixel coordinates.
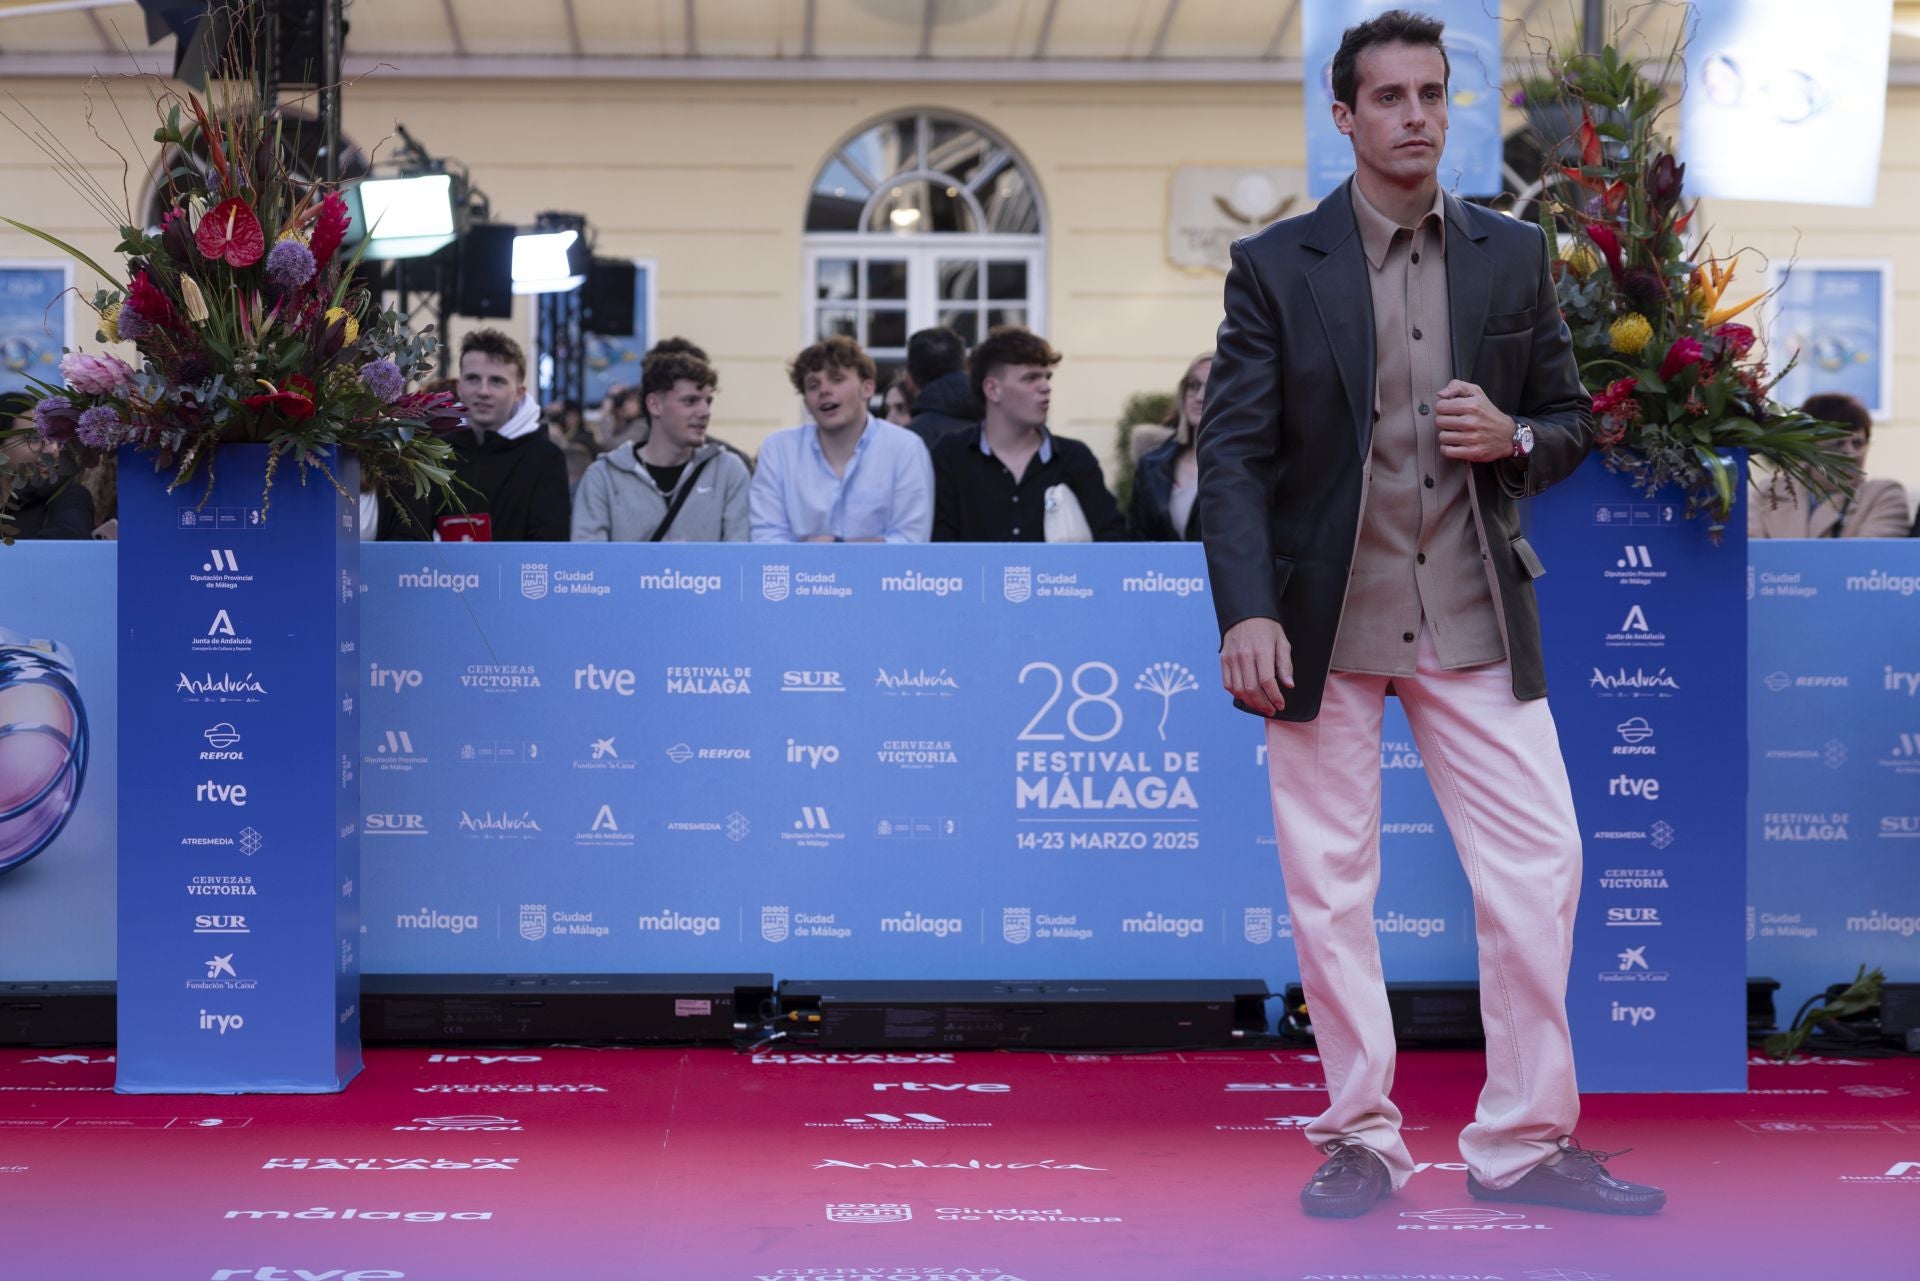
(991, 482)
(937, 387)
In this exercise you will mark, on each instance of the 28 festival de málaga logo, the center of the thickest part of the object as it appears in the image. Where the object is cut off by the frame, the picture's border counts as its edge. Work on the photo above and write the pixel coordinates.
(1090, 744)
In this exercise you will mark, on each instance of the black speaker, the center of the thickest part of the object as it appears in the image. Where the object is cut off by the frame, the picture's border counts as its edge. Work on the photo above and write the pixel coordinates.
(606, 303)
(485, 270)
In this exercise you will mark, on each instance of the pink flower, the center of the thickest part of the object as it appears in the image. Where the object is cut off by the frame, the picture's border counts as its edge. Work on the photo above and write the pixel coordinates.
(1617, 396)
(1685, 353)
(101, 375)
(1738, 338)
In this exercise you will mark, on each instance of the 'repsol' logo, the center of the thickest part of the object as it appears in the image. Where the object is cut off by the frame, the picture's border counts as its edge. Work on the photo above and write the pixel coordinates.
(533, 921)
(222, 740)
(393, 752)
(919, 584)
(224, 688)
(1639, 683)
(484, 1123)
(1016, 583)
(442, 922)
(776, 581)
(916, 683)
(1779, 682)
(1164, 584)
(221, 571)
(1635, 632)
(1635, 733)
(673, 580)
(869, 1213)
(1466, 1219)
(396, 825)
(775, 923)
(1016, 924)
(437, 580)
(604, 831)
(533, 579)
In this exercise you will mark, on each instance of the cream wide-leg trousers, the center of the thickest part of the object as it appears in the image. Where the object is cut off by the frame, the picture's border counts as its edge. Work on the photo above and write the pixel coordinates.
(1495, 765)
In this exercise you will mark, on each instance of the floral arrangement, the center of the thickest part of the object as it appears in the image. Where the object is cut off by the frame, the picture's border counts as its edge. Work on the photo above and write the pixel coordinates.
(1675, 379)
(248, 325)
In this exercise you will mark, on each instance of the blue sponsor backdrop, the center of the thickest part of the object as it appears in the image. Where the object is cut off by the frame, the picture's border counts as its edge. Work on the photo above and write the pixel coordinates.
(238, 661)
(1833, 820)
(1642, 618)
(453, 728)
(1471, 163)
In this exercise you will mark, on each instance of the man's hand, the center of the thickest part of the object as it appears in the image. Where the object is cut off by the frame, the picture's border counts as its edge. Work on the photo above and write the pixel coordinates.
(1472, 428)
(1255, 662)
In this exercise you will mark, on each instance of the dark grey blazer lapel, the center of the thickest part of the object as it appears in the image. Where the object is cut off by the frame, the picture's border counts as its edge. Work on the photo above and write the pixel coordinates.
(1469, 284)
(1343, 296)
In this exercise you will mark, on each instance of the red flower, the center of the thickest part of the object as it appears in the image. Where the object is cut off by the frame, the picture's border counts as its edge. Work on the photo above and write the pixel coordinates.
(1738, 338)
(1618, 394)
(145, 297)
(1609, 243)
(229, 232)
(1685, 353)
(329, 228)
(294, 401)
(438, 411)
(1590, 153)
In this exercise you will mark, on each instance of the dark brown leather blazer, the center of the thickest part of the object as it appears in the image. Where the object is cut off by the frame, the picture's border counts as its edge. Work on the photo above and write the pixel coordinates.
(1289, 419)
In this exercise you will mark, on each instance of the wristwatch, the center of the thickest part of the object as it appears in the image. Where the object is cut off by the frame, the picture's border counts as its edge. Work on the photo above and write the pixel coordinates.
(1522, 440)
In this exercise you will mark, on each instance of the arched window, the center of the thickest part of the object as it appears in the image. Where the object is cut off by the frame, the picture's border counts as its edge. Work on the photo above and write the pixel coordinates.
(921, 219)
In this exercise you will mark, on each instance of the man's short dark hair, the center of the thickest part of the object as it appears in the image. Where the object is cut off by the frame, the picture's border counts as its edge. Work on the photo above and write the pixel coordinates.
(1838, 407)
(837, 352)
(491, 342)
(935, 353)
(676, 344)
(662, 372)
(1395, 26)
(1003, 346)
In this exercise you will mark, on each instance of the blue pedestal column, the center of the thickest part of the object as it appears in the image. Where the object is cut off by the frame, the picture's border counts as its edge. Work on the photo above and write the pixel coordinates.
(1644, 622)
(238, 787)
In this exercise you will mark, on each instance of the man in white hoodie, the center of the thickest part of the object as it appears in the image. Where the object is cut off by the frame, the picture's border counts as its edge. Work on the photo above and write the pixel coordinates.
(510, 477)
(677, 486)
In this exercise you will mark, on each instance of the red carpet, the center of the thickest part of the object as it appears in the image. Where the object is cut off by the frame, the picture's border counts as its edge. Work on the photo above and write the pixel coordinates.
(707, 1166)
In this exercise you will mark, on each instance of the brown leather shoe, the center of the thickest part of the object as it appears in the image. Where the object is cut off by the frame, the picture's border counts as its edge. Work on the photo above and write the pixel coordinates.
(1347, 1184)
(1577, 1181)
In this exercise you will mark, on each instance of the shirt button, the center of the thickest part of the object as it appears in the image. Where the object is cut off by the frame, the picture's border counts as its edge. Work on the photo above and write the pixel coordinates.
(1407, 637)
(1016, 529)
(1416, 257)
(1016, 498)
(1423, 407)
(1420, 559)
(1429, 482)
(1416, 334)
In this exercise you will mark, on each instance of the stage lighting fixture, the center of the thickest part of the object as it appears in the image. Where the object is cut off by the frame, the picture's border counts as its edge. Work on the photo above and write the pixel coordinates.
(407, 217)
(552, 258)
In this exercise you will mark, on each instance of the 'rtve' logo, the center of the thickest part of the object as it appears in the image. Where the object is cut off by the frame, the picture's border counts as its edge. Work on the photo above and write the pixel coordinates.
(619, 680)
(1647, 789)
(234, 794)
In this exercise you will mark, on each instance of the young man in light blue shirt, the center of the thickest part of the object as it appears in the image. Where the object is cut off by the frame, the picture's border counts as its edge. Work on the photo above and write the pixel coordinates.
(846, 477)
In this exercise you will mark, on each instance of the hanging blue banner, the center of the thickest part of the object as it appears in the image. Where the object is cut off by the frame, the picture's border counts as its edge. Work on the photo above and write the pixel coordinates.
(1643, 620)
(1470, 165)
(239, 882)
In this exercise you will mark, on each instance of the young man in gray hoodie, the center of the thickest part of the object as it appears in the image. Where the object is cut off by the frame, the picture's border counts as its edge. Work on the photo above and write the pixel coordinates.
(676, 486)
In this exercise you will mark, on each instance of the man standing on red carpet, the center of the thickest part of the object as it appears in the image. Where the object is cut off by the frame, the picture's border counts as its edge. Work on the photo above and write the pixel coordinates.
(1392, 374)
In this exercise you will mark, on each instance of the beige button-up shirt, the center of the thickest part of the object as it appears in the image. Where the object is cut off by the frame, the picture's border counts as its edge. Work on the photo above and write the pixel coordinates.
(1418, 555)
